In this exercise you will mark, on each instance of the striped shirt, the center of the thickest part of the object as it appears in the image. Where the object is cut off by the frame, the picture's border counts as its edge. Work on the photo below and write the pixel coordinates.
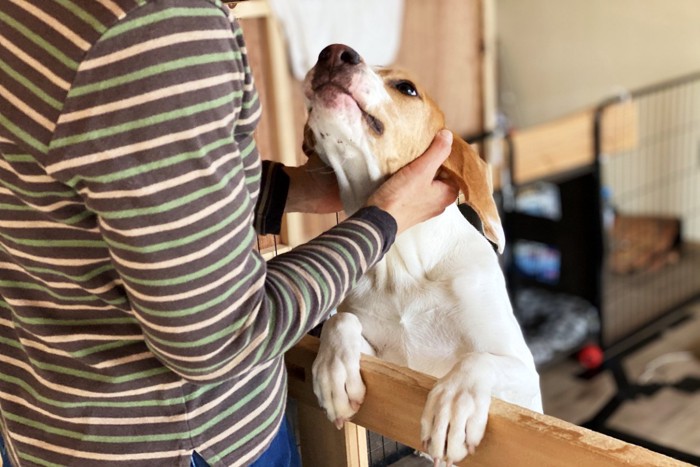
(137, 321)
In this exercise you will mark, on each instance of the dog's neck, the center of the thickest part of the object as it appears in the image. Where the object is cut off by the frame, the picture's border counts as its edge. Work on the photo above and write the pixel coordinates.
(419, 250)
(358, 176)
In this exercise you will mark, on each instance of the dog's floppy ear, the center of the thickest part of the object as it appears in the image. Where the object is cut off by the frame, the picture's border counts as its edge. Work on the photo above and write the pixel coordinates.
(474, 178)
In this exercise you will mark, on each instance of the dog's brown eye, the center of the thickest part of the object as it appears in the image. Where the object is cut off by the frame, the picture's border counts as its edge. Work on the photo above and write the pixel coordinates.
(406, 87)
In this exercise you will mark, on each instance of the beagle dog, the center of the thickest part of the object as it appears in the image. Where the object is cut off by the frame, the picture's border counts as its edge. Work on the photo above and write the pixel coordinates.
(437, 302)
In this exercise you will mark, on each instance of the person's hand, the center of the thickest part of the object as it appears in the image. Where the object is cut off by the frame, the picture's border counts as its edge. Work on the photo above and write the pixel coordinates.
(313, 188)
(414, 194)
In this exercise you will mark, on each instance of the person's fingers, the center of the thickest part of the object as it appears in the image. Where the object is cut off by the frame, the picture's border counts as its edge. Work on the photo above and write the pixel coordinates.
(436, 154)
(416, 193)
(450, 189)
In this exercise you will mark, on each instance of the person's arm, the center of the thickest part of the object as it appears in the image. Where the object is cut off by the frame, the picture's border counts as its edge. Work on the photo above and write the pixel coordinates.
(157, 136)
(309, 188)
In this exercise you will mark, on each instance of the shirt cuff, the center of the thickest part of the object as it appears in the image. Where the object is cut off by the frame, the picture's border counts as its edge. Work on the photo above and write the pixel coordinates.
(385, 223)
(272, 198)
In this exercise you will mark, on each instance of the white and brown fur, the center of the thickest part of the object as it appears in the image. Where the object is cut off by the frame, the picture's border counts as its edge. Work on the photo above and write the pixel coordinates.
(437, 302)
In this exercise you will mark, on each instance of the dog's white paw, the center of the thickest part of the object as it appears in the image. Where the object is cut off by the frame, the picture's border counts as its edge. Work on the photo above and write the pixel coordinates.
(455, 415)
(336, 371)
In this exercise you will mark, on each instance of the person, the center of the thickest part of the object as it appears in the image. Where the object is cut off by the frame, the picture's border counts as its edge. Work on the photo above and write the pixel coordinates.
(138, 323)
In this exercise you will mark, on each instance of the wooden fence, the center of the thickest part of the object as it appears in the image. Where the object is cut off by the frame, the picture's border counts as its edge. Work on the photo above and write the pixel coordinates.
(393, 405)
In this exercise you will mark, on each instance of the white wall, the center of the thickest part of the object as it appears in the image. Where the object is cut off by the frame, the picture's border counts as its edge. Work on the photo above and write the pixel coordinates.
(559, 56)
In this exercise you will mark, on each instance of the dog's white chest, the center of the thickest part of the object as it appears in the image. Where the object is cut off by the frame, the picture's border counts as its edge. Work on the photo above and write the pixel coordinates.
(417, 333)
(424, 305)
(416, 322)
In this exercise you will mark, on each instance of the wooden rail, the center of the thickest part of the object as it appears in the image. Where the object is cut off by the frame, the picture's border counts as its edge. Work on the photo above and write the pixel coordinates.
(393, 405)
(568, 143)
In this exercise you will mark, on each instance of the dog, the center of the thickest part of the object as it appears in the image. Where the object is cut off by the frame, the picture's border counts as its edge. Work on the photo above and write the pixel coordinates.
(437, 302)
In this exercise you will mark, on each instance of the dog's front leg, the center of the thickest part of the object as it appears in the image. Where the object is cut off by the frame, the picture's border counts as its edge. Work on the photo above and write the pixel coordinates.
(455, 415)
(336, 371)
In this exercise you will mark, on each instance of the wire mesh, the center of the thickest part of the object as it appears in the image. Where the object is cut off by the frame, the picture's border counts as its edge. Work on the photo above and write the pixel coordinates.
(383, 452)
(653, 256)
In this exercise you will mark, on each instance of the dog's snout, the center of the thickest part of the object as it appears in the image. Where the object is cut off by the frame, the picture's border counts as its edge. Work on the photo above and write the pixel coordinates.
(336, 65)
(337, 54)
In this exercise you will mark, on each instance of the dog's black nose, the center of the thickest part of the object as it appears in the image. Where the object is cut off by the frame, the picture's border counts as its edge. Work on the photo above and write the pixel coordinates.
(339, 54)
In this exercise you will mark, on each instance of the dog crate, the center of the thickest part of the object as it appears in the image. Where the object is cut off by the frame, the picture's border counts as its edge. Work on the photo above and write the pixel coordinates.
(620, 231)
(623, 231)
(652, 189)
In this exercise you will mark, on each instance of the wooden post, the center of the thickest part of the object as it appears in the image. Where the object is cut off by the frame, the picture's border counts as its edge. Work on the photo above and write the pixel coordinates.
(323, 445)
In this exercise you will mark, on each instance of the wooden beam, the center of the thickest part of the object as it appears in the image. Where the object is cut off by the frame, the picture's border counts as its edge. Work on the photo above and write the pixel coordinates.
(247, 9)
(568, 143)
(276, 87)
(396, 396)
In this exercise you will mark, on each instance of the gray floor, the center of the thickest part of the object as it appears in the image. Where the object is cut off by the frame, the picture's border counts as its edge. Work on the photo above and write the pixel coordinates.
(669, 417)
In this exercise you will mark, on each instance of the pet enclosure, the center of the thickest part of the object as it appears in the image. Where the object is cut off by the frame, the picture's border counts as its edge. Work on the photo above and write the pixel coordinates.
(620, 230)
(652, 265)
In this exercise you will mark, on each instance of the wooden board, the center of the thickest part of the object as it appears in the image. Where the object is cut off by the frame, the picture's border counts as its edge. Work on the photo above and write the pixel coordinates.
(442, 45)
(396, 396)
(567, 143)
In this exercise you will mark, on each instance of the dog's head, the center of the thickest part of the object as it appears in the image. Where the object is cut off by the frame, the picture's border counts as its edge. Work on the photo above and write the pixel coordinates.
(366, 123)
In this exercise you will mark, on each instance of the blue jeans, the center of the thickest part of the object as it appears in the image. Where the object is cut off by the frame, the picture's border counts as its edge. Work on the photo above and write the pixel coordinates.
(3, 454)
(281, 453)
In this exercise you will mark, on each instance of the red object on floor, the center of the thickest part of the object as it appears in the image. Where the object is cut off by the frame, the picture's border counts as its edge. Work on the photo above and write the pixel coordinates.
(590, 356)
